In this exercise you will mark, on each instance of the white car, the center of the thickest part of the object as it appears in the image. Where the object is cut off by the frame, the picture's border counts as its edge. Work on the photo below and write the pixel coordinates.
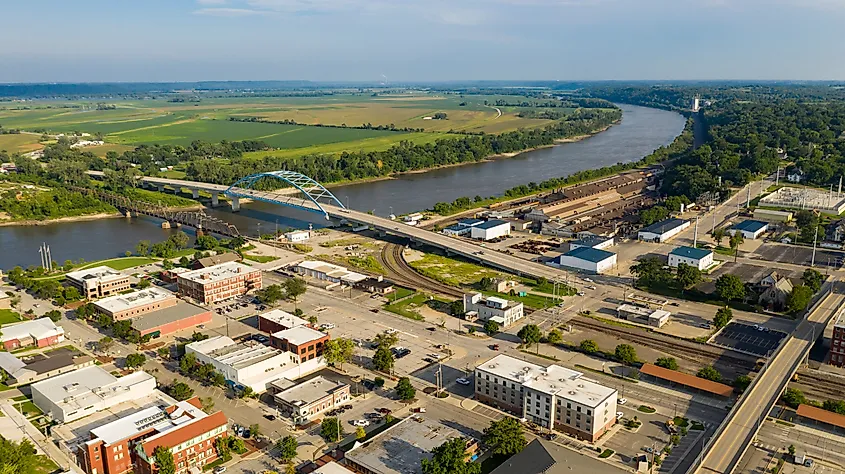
(620, 415)
(219, 469)
(581, 293)
(435, 356)
(622, 401)
(362, 423)
(588, 280)
(390, 331)
(327, 326)
(463, 381)
(591, 287)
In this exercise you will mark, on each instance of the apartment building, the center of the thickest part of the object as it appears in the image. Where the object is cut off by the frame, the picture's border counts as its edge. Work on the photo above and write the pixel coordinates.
(98, 282)
(500, 310)
(136, 304)
(304, 342)
(219, 282)
(128, 444)
(552, 396)
(304, 402)
(837, 342)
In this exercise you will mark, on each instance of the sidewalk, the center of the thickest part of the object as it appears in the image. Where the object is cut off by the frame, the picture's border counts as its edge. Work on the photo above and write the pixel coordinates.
(45, 445)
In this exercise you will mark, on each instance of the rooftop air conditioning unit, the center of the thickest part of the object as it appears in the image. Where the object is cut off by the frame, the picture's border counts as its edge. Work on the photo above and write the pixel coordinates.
(572, 392)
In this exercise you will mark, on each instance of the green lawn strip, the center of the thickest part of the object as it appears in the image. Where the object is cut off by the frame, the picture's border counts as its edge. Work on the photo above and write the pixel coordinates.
(646, 409)
(8, 316)
(217, 462)
(606, 453)
(531, 300)
(260, 258)
(46, 465)
(406, 307)
(401, 292)
(681, 422)
(700, 427)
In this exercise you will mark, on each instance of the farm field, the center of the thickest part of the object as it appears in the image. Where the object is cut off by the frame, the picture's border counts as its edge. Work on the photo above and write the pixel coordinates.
(20, 142)
(368, 144)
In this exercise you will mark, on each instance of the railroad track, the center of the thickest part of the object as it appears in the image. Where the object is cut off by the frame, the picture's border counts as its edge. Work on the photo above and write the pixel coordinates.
(404, 274)
(819, 385)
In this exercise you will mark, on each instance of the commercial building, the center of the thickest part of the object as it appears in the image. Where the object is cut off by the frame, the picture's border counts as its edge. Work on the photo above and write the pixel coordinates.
(376, 285)
(278, 320)
(129, 443)
(32, 368)
(40, 332)
(297, 236)
(750, 229)
(548, 396)
(251, 364)
(769, 215)
(77, 394)
(699, 258)
(328, 272)
(492, 308)
(135, 304)
(98, 282)
(332, 468)
(302, 341)
(401, 448)
(837, 342)
(489, 230)
(663, 230)
(306, 401)
(184, 316)
(586, 259)
(593, 242)
(212, 260)
(545, 457)
(219, 283)
(463, 227)
(650, 317)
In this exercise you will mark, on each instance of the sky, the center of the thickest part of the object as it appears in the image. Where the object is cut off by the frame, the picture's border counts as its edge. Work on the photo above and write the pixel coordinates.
(420, 40)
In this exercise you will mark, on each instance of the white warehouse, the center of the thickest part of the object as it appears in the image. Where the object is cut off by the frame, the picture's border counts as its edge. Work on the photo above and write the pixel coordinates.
(586, 258)
(491, 229)
(698, 258)
(663, 230)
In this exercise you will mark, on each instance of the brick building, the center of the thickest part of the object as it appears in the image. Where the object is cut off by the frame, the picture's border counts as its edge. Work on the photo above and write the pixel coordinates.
(41, 332)
(837, 342)
(219, 282)
(304, 342)
(128, 444)
(135, 304)
(98, 282)
(278, 320)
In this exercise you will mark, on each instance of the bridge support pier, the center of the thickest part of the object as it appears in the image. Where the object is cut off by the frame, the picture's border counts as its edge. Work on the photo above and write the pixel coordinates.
(195, 193)
(128, 214)
(165, 225)
(236, 203)
(215, 198)
(160, 188)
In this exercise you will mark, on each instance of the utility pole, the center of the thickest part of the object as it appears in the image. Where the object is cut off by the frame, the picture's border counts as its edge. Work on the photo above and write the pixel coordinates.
(748, 197)
(815, 238)
(695, 235)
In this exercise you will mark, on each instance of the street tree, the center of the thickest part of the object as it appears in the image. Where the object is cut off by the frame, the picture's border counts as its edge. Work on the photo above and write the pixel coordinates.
(294, 288)
(405, 390)
(554, 336)
(742, 382)
(812, 279)
(667, 363)
(723, 317)
(530, 334)
(626, 354)
(709, 373)
(330, 430)
(687, 276)
(491, 327)
(383, 359)
(164, 460)
(450, 458)
(385, 339)
(719, 235)
(360, 433)
(271, 294)
(105, 343)
(135, 360)
(589, 346)
(287, 448)
(798, 299)
(736, 240)
(338, 351)
(650, 272)
(730, 287)
(505, 436)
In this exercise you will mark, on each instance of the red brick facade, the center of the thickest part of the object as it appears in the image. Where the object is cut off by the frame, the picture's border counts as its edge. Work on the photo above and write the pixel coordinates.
(212, 292)
(186, 323)
(306, 351)
(837, 346)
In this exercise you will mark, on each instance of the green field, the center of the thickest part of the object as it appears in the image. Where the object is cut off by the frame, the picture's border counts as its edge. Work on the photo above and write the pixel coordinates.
(20, 142)
(365, 145)
(8, 316)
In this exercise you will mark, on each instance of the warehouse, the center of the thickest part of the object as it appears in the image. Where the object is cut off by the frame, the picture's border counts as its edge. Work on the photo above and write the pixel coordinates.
(173, 319)
(463, 227)
(663, 230)
(490, 230)
(328, 272)
(593, 242)
(135, 304)
(650, 317)
(750, 229)
(698, 258)
(587, 259)
(40, 332)
(770, 215)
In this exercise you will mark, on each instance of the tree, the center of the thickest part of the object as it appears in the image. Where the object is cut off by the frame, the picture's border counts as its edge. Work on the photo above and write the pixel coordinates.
(19, 458)
(450, 458)
(290, 468)
(142, 248)
(589, 346)
(491, 327)
(836, 406)
(383, 359)
(360, 433)
(554, 336)
(237, 445)
(792, 397)
(142, 284)
(386, 340)
(791, 450)
(206, 242)
(626, 354)
(187, 363)
(254, 430)
(405, 390)
(812, 279)
(667, 363)
(207, 404)
(294, 288)
(167, 264)
(105, 343)
(312, 320)
(287, 448)
(798, 299)
(530, 334)
(723, 317)
(505, 436)
(180, 391)
(736, 240)
(709, 373)
(164, 460)
(687, 276)
(742, 382)
(338, 351)
(456, 308)
(54, 315)
(180, 240)
(71, 293)
(719, 235)
(649, 272)
(247, 392)
(730, 287)
(135, 360)
(222, 445)
(270, 294)
(330, 430)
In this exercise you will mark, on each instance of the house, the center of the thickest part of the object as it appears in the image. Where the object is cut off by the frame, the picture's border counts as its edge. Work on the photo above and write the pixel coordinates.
(694, 257)
(835, 231)
(775, 296)
(40, 332)
(750, 229)
(376, 285)
(493, 308)
(769, 280)
(795, 175)
(663, 230)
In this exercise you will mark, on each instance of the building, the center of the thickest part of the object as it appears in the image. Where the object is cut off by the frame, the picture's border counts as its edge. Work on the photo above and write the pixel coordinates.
(699, 258)
(401, 448)
(650, 317)
(210, 261)
(278, 320)
(544, 457)
(135, 304)
(750, 229)
(128, 443)
(40, 332)
(332, 468)
(183, 316)
(587, 259)
(690, 382)
(520, 225)
(32, 368)
(85, 391)
(302, 341)
(98, 282)
(172, 275)
(489, 230)
(663, 230)
(593, 242)
(462, 227)
(328, 272)
(769, 215)
(547, 395)
(837, 342)
(250, 364)
(297, 236)
(795, 175)
(775, 296)
(219, 283)
(306, 401)
(376, 285)
(493, 308)
(821, 200)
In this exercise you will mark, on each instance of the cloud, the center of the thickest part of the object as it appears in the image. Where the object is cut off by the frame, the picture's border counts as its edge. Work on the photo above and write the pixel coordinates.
(228, 12)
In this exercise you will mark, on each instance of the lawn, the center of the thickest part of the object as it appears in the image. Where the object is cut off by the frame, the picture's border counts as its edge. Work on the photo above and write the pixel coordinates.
(407, 307)
(260, 258)
(401, 292)
(20, 142)
(530, 300)
(8, 316)
(368, 263)
(46, 465)
(452, 271)
(121, 263)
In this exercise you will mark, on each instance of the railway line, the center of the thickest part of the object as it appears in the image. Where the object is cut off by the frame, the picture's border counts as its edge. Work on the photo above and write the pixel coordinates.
(400, 272)
(815, 384)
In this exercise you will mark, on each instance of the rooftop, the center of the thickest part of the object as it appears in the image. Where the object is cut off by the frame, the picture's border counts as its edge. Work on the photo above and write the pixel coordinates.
(590, 254)
(118, 303)
(226, 351)
(591, 241)
(665, 226)
(299, 335)
(96, 273)
(216, 273)
(332, 468)
(283, 318)
(86, 386)
(180, 311)
(309, 392)
(750, 225)
(212, 260)
(687, 380)
(819, 414)
(37, 328)
(543, 457)
(470, 222)
(156, 418)
(691, 252)
(332, 270)
(491, 224)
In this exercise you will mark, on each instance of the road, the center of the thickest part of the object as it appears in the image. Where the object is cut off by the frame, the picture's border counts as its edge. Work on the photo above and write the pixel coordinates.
(723, 454)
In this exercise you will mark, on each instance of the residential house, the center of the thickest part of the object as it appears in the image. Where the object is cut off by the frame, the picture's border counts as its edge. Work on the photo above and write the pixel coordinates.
(775, 295)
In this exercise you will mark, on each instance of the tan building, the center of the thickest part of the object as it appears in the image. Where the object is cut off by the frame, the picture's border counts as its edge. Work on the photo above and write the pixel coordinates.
(98, 282)
(305, 401)
(137, 303)
(213, 260)
(219, 283)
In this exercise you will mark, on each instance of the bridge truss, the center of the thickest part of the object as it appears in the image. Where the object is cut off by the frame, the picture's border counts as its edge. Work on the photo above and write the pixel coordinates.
(310, 190)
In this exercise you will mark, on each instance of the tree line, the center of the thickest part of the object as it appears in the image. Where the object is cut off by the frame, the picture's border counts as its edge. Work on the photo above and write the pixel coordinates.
(366, 126)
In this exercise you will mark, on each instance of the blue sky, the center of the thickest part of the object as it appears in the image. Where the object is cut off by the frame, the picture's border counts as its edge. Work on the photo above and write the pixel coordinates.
(185, 40)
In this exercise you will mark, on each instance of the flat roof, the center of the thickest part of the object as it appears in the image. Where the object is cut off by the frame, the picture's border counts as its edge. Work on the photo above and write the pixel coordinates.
(691, 252)
(118, 303)
(224, 257)
(226, 351)
(155, 418)
(54, 360)
(284, 318)
(332, 270)
(665, 226)
(85, 386)
(687, 380)
(97, 273)
(590, 241)
(401, 448)
(589, 254)
(216, 273)
(180, 311)
(469, 222)
(645, 312)
(491, 224)
(299, 335)
(750, 225)
(821, 415)
(309, 392)
(37, 328)
(332, 468)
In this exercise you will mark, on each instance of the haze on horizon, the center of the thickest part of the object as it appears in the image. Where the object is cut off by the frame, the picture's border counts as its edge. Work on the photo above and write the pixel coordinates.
(433, 40)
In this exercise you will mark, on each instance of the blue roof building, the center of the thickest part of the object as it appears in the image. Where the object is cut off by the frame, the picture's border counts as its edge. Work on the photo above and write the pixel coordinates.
(750, 229)
(587, 259)
(699, 258)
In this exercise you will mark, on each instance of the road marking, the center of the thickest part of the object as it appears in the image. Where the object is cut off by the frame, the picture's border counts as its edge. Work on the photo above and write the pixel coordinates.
(403, 332)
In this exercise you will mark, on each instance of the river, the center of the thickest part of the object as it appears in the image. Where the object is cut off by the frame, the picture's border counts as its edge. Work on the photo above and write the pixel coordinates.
(640, 132)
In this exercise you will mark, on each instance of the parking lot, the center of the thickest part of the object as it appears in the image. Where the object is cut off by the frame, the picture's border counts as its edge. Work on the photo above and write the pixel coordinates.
(749, 339)
(798, 255)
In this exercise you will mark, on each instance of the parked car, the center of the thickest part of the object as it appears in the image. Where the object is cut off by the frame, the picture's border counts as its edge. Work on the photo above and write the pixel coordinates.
(374, 310)
(372, 416)
(622, 401)
(219, 469)
(270, 417)
(581, 293)
(418, 410)
(390, 331)
(327, 326)
(495, 347)
(620, 415)
(463, 381)
(384, 411)
(588, 280)
(362, 423)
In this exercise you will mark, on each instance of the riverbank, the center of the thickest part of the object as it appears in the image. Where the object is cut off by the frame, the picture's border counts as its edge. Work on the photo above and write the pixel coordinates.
(86, 217)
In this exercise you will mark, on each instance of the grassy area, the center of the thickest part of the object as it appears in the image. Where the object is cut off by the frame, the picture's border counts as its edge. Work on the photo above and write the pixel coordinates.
(8, 316)
(408, 306)
(698, 426)
(28, 409)
(126, 262)
(681, 422)
(343, 242)
(260, 258)
(401, 292)
(530, 300)
(20, 142)
(45, 465)
(452, 271)
(368, 263)
(606, 453)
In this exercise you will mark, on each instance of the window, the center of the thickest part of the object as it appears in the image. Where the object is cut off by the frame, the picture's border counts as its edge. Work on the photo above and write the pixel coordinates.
(589, 412)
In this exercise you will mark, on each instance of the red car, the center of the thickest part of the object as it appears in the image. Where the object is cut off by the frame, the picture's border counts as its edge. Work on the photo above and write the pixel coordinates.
(384, 411)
